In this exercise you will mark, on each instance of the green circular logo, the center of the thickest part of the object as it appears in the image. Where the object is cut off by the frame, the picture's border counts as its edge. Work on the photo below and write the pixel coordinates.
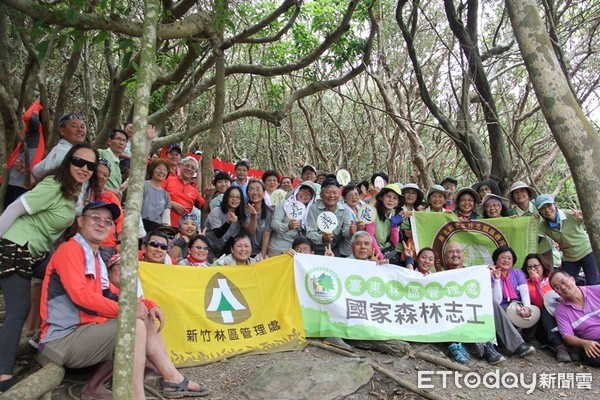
(395, 290)
(453, 289)
(472, 288)
(434, 291)
(376, 287)
(414, 291)
(355, 285)
(323, 285)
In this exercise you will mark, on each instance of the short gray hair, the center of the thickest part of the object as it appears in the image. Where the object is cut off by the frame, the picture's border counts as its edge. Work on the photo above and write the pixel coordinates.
(358, 235)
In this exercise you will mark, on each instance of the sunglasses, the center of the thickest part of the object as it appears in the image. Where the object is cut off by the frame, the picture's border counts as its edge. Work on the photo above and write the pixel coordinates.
(201, 247)
(80, 163)
(68, 117)
(158, 245)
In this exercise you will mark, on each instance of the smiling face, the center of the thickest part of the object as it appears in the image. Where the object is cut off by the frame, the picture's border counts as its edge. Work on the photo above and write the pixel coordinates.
(505, 261)
(286, 184)
(362, 247)
(454, 256)
(271, 183)
(199, 250)
(222, 185)
(174, 158)
(95, 225)
(255, 192)
(390, 200)
(309, 175)
(330, 196)
(74, 131)
(564, 285)
(426, 261)
(493, 209)
(410, 196)
(241, 173)
(235, 199)
(82, 174)
(352, 198)
(548, 211)
(188, 228)
(188, 169)
(103, 174)
(242, 250)
(303, 248)
(160, 172)
(155, 250)
(466, 203)
(436, 201)
(304, 195)
(521, 197)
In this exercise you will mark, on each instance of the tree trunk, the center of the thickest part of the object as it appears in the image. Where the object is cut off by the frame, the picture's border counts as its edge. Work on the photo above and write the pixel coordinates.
(574, 134)
(124, 352)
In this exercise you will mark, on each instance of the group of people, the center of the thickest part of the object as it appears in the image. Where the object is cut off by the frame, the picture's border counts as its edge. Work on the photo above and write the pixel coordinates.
(67, 229)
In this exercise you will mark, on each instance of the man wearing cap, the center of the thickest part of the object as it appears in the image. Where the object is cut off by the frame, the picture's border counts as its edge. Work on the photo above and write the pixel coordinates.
(79, 308)
(339, 239)
(174, 158)
(449, 184)
(309, 173)
(184, 195)
(454, 258)
(578, 315)
(241, 177)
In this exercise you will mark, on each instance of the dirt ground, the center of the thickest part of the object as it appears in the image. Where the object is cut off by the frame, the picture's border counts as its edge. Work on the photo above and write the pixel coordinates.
(552, 380)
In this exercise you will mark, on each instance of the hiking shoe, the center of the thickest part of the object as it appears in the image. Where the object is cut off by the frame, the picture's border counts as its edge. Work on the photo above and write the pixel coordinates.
(524, 350)
(458, 353)
(562, 354)
(491, 355)
(337, 342)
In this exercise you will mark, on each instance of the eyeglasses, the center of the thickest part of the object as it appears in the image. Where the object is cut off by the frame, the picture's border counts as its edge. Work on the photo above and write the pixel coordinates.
(120, 139)
(98, 220)
(158, 245)
(530, 267)
(201, 247)
(68, 117)
(80, 163)
(454, 251)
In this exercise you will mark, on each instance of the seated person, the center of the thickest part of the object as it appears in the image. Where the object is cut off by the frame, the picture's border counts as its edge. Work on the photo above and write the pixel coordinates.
(79, 310)
(155, 247)
(240, 247)
(197, 254)
(578, 315)
(188, 227)
(363, 249)
(454, 258)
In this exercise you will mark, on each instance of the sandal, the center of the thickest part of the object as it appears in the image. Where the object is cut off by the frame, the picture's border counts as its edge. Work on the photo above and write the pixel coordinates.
(174, 390)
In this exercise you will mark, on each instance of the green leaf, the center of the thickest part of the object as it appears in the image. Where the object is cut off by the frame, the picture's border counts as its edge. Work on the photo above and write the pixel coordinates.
(100, 37)
(42, 49)
(72, 16)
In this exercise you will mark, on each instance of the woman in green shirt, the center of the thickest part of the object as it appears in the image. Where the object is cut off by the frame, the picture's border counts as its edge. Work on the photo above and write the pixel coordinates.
(28, 229)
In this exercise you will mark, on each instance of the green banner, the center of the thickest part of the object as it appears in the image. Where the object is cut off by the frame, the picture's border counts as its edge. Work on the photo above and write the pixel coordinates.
(479, 237)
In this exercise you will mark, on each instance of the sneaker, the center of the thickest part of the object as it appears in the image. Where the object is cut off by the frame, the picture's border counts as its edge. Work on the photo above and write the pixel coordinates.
(337, 342)
(491, 355)
(562, 354)
(524, 350)
(458, 353)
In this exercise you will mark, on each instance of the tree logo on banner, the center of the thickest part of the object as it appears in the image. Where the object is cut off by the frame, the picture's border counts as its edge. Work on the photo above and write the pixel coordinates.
(225, 302)
(323, 285)
(475, 236)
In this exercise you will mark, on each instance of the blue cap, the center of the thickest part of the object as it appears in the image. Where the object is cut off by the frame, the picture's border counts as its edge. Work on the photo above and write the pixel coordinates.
(543, 199)
(112, 207)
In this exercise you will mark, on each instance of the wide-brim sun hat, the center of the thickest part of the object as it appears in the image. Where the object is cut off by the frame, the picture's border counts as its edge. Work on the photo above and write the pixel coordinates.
(521, 322)
(415, 187)
(464, 191)
(437, 189)
(521, 185)
(489, 183)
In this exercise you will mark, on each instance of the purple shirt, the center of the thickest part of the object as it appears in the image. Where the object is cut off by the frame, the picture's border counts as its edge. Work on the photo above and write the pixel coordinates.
(516, 277)
(573, 321)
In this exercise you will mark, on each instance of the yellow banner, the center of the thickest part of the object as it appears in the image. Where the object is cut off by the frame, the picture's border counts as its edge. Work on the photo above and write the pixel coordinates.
(218, 312)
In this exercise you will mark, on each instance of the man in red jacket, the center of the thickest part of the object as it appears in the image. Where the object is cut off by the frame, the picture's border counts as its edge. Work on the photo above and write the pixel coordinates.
(79, 309)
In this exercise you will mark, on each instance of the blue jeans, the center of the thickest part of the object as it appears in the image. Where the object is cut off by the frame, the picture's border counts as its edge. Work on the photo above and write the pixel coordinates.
(590, 268)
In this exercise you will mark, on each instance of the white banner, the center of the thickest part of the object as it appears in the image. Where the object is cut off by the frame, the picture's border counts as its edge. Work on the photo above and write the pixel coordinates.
(353, 299)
